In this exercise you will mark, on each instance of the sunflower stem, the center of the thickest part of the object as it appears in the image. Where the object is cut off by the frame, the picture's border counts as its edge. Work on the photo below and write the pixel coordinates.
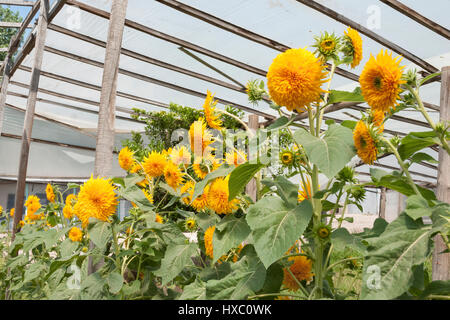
(402, 165)
(239, 120)
(325, 99)
(298, 282)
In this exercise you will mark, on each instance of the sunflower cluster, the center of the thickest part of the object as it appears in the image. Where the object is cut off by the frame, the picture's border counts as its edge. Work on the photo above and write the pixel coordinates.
(33, 204)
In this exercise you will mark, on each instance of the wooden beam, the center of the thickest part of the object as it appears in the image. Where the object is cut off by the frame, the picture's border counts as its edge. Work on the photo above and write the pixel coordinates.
(106, 115)
(369, 33)
(441, 261)
(407, 11)
(29, 114)
(251, 189)
(17, 3)
(382, 213)
(16, 25)
(242, 32)
(4, 88)
(15, 41)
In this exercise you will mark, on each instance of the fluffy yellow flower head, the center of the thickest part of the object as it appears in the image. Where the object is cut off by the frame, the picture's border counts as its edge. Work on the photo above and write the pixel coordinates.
(305, 191)
(126, 159)
(236, 158)
(173, 175)
(301, 269)
(200, 137)
(380, 81)
(354, 43)
(180, 155)
(96, 199)
(218, 197)
(154, 164)
(33, 204)
(159, 219)
(75, 234)
(68, 211)
(364, 143)
(49, 192)
(210, 112)
(1, 210)
(209, 233)
(295, 78)
(11, 213)
(71, 199)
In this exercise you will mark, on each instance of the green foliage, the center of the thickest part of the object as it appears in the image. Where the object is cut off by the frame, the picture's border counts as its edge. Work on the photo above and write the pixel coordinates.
(7, 15)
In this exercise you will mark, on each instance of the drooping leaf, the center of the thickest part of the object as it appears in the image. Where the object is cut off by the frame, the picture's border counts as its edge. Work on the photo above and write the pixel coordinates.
(414, 142)
(345, 96)
(100, 233)
(284, 188)
(275, 226)
(417, 207)
(330, 153)
(115, 282)
(240, 177)
(229, 233)
(194, 291)
(392, 256)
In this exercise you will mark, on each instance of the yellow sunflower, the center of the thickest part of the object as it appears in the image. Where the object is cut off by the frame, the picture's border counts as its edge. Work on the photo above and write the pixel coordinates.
(68, 211)
(210, 112)
(364, 143)
(154, 164)
(1, 210)
(217, 197)
(200, 137)
(203, 166)
(11, 213)
(287, 157)
(209, 233)
(49, 192)
(236, 158)
(173, 175)
(201, 202)
(180, 155)
(378, 119)
(33, 204)
(301, 269)
(75, 234)
(135, 168)
(353, 46)
(71, 199)
(295, 78)
(126, 159)
(380, 81)
(159, 219)
(148, 195)
(96, 199)
(305, 191)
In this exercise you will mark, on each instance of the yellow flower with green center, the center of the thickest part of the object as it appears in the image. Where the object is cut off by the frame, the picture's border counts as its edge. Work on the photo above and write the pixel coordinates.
(353, 46)
(190, 223)
(287, 158)
(365, 143)
(295, 78)
(380, 81)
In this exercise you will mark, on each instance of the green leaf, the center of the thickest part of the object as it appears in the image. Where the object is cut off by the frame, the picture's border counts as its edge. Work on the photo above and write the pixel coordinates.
(115, 282)
(34, 271)
(351, 124)
(241, 176)
(275, 226)
(285, 189)
(92, 287)
(206, 220)
(414, 142)
(420, 156)
(341, 238)
(229, 233)
(247, 277)
(68, 248)
(341, 96)
(222, 171)
(279, 123)
(176, 258)
(438, 287)
(134, 194)
(417, 207)
(194, 291)
(430, 76)
(274, 279)
(330, 153)
(388, 270)
(100, 233)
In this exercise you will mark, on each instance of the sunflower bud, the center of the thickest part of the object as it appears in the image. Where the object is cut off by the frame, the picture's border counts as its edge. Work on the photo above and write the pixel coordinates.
(358, 193)
(255, 91)
(287, 158)
(190, 224)
(347, 174)
(411, 78)
(327, 46)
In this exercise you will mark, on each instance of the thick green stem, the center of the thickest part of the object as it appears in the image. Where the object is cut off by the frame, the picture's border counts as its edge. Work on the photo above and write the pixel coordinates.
(402, 165)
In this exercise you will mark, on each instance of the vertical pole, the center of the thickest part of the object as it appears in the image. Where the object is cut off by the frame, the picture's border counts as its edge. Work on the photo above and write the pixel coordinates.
(106, 115)
(107, 109)
(382, 212)
(29, 113)
(251, 188)
(4, 89)
(441, 261)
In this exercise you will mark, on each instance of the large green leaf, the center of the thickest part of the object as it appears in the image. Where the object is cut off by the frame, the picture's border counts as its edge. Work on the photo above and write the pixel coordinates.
(330, 153)
(229, 233)
(222, 171)
(275, 226)
(115, 282)
(241, 176)
(389, 263)
(416, 141)
(341, 238)
(34, 271)
(246, 278)
(342, 96)
(284, 188)
(176, 258)
(417, 207)
(194, 291)
(100, 233)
